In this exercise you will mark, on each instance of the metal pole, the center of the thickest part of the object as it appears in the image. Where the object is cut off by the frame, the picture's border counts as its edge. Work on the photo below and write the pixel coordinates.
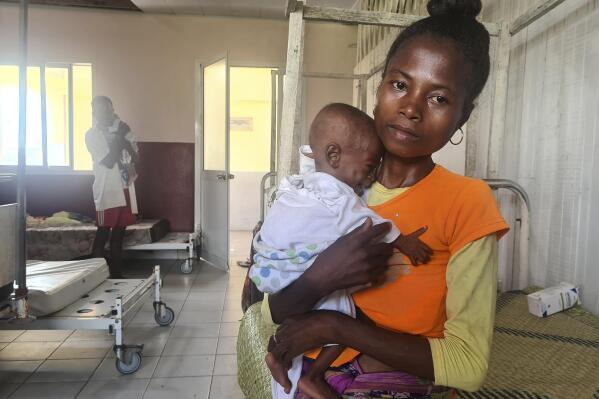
(21, 292)
(263, 193)
(519, 278)
(512, 186)
(363, 94)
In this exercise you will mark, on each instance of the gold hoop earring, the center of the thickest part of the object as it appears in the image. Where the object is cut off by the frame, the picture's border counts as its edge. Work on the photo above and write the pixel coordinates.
(461, 138)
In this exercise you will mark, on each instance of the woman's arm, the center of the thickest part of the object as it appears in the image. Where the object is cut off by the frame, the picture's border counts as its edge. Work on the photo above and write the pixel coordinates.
(355, 259)
(461, 358)
(404, 352)
(458, 360)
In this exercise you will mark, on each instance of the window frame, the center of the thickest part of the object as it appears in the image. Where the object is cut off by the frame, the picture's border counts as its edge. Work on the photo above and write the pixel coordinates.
(46, 169)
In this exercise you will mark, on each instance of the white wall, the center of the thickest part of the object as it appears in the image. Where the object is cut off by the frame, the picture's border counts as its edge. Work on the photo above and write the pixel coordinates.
(245, 200)
(145, 62)
(550, 143)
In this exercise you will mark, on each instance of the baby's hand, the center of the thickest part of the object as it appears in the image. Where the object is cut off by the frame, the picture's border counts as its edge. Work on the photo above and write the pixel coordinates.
(411, 246)
(123, 129)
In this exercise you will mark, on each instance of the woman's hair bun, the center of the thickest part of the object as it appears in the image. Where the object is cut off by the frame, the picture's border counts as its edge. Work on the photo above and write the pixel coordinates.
(466, 8)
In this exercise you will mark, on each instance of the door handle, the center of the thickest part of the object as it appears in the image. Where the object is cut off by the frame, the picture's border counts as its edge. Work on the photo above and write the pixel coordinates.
(224, 176)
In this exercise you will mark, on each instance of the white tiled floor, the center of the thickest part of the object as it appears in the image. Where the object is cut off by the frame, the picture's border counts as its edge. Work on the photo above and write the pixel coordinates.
(193, 358)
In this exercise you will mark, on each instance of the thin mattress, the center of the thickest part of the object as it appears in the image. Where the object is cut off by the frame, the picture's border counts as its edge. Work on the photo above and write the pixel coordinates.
(54, 285)
(70, 242)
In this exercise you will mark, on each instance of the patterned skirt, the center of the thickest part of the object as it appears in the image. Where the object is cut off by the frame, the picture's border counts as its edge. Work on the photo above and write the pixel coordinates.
(350, 381)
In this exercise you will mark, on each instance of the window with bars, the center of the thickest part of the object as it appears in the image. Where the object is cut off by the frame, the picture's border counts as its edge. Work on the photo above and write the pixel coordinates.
(58, 115)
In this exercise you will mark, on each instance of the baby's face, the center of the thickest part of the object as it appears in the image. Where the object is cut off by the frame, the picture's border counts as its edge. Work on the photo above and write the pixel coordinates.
(357, 167)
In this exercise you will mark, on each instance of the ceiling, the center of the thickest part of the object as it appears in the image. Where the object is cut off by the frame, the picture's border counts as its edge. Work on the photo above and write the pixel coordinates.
(237, 8)
(105, 4)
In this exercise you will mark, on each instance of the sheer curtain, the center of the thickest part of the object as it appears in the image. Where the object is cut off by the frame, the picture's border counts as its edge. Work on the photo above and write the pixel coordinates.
(551, 142)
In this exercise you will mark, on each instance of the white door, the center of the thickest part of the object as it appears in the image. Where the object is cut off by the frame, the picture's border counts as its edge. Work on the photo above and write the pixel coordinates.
(214, 180)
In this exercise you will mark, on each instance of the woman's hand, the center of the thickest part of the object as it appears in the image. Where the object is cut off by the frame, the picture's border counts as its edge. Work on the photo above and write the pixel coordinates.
(358, 258)
(355, 259)
(301, 333)
(398, 351)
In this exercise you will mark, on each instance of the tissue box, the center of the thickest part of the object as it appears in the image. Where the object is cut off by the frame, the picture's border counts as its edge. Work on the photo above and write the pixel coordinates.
(553, 299)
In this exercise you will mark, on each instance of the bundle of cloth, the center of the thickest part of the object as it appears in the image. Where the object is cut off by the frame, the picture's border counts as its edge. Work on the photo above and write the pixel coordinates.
(58, 219)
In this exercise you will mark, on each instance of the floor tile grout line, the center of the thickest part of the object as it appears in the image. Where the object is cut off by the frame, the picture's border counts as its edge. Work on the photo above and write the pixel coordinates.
(218, 337)
(15, 390)
(174, 323)
(43, 361)
(91, 375)
(31, 374)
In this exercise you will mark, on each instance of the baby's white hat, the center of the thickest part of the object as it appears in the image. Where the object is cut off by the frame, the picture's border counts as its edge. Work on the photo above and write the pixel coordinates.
(306, 164)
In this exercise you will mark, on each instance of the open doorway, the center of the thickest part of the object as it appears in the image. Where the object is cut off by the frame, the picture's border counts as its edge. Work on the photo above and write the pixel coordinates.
(252, 102)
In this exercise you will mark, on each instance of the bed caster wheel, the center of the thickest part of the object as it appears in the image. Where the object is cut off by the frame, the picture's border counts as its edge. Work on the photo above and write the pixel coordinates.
(186, 266)
(131, 367)
(166, 318)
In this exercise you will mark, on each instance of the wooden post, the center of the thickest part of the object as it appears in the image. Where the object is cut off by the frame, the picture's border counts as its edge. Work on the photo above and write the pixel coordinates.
(377, 18)
(499, 103)
(292, 96)
(291, 6)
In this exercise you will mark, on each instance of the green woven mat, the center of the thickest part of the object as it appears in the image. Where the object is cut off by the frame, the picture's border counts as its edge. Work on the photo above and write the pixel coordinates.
(551, 358)
(532, 358)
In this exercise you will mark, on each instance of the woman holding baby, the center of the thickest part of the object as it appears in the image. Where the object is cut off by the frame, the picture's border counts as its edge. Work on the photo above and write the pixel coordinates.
(430, 329)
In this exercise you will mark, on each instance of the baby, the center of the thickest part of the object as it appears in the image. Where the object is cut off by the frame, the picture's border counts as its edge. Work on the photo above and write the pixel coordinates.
(312, 211)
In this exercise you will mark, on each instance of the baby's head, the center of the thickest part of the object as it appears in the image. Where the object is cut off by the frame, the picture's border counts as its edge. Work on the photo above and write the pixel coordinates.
(345, 145)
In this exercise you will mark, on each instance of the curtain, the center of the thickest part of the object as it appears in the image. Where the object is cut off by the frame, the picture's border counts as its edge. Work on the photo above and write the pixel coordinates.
(551, 143)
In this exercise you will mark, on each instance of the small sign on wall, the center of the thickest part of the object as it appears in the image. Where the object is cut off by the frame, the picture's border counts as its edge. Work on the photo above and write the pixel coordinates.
(242, 123)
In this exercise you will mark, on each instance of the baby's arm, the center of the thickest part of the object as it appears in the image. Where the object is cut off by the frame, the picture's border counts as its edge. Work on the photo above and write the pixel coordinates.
(411, 246)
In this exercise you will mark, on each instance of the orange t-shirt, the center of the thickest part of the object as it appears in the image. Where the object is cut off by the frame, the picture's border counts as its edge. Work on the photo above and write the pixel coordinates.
(457, 211)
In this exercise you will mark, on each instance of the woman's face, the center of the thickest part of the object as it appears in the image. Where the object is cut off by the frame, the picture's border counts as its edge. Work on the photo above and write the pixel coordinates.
(421, 100)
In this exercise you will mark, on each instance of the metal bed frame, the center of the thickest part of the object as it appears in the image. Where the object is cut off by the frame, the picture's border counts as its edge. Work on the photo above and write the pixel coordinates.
(109, 307)
(189, 246)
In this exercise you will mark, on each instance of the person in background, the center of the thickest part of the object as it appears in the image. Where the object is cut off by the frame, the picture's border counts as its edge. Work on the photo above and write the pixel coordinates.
(114, 154)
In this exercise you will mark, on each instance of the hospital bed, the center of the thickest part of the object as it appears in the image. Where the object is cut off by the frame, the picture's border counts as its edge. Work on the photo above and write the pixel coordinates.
(69, 295)
(52, 243)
